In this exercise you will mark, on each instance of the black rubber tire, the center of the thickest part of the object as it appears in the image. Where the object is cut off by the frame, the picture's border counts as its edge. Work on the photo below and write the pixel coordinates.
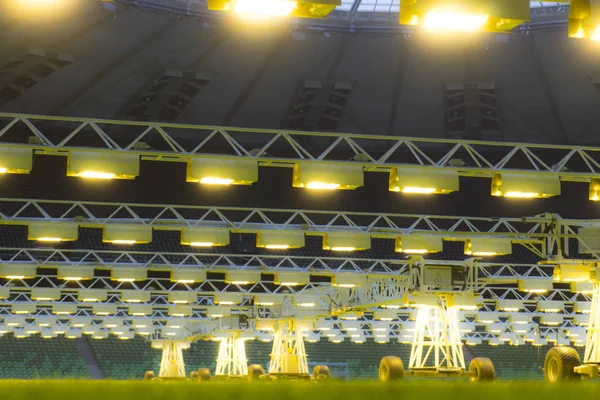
(148, 375)
(559, 365)
(321, 372)
(391, 369)
(194, 376)
(203, 374)
(255, 371)
(483, 368)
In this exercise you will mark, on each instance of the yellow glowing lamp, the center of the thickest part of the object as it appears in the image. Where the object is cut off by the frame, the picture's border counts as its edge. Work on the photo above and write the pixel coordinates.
(582, 287)
(18, 271)
(92, 295)
(525, 186)
(539, 285)
(573, 272)
(509, 305)
(52, 231)
(595, 189)
(187, 275)
(45, 294)
(346, 241)
(69, 273)
(418, 300)
(465, 302)
(349, 280)
(64, 309)
(327, 176)
(180, 310)
(584, 307)
(103, 164)
(292, 278)
(139, 310)
(550, 306)
(127, 234)
(465, 15)
(182, 297)
(242, 277)
(128, 274)
(135, 296)
(15, 160)
(418, 244)
(423, 181)
(280, 240)
(204, 237)
(276, 8)
(214, 171)
(229, 298)
(584, 19)
(267, 300)
(23, 308)
(486, 247)
(306, 300)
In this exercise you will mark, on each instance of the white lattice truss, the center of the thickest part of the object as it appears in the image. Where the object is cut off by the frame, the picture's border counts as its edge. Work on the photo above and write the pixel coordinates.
(232, 360)
(171, 363)
(288, 355)
(592, 342)
(437, 339)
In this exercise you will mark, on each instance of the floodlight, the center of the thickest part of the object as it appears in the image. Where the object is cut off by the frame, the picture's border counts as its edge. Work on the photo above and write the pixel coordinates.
(52, 231)
(18, 271)
(385, 315)
(584, 307)
(75, 273)
(535, 285)
(180, 310)
(265, 325)
(242, 277)
(348, 279)
(183, 297)
(138, 310)
(322, 325)
(496, 327)
(418, 300)
(215, 171)
(280, 240)
(204, 237)
(291, 278)
(350, 315)
(525, 185)
(581, 319)
(45, 322)
(307, 300)
(551, 319)
(584, 20)
(64, 309)
(92, 295)
(346, 241)
(135, 296)
(105, 164)
(268, 299)
(550, 306)
(484, 247)
(16, 160)
(126, 234)
(13, 320)
(465, 15)
(128, 274)
(423, 181)
(104, 309)
(520, 318)
(276, 8)
(573, 273)
(78, 322)
(23, 308)
(45, 294)
(228, 298)
(509, 305)
(218, 312)
(465, 302)
(418, 244)
(327, 176)
(187, 275)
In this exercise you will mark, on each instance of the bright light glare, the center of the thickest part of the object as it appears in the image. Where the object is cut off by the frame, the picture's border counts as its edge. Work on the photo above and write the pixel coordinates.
(343, 248)
(510, 309)
(3, 170)
(322, 186)
(277, 246)
(180, 302)
(265, 303)
(484, 253)
(126, 279)
(306, 304)
(289, 283)
(15, 277)
(596, 34)
(536, 290)
(72, 278)
(211, 180)
(119, 241)
(48, 239)
(96, 175)
(415, 251)
(346, 285)
(278, 8)
(202, 244)
(89, 299)
(226, 303)
(185, 281)
(240, 282)
(522, 195)
(447, 20)
(419, 190)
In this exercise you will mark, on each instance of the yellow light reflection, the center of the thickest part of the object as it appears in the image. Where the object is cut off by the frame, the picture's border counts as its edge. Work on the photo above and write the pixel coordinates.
(3, 170)
(523, 195)
(119, 241)
(484, 253)
(185, 281)
(448, 20)
(202, 244)
(322, 186)
(15, 276)
(48, 239)
(278, 8)
(240, 282)
(277, 246)
(211, 180)
(96, 175)
(343, 248)
(72, 278)
(418, 190)
(415, 251)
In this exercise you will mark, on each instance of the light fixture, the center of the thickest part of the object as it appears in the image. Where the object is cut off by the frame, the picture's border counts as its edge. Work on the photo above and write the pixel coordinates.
(276, 8)
(187, 275)
(533, 285)
(216, 171)
(520, 318)
(75, 273)
(306, 300)
(64, 309)
(242, 277)
(126, 234)
(551, 319)
(102, 165)
(182, 297)
(584, 307)
(465, 15)
(525, 186)
(18, 271)
(16, 160)
(128, 274)
(349, 279)
(280, 239)
(268, 299)
(550, 306)
(228, 298)
(204, 237)
(23, 308)
(418, 244)
(346, 241)
(465, 302)
(180, 310)
(486, 247)
(421, 299)
(291, 278)
(135, 296)
(45, 294)
(92, 295)
(423, 181)
(385, 315)
(509, 305)
(575, 273)
(327, 176)
(584, 19)
(485, 317)
(138, 310)
(104, 309)
(350, 315)
(52, 231)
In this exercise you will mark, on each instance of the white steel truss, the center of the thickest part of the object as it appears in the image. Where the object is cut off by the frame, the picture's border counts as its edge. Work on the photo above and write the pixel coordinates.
(56, 135)
(437, 340)
(171, 363)
(592, 342)
(232, 360)
(288, 355)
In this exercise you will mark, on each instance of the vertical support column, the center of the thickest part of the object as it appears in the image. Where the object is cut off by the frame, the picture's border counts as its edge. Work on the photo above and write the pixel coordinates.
(288, 355)
(171, 363)
(232, 360)
(592, 341)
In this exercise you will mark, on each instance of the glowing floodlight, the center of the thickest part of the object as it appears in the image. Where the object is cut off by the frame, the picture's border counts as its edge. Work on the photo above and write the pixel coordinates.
(127, 234)
(306, 300)
(213, 171)
(595, 189)
(417, 244)
(486, 317)
(582, 287)
(465, 15)
(64, 309)
(180, 310)
(465, 302)
(550, 306)
(242, 277)
(419, 181)
(509, 305)
(385, 315)
(45, 294)
(572, 272)
(485, 247)
(135, 296)
(108, 164)
(349, 280)
(187, 275)
(92, 295)
(291, 278)
(535, 285)
(104, 309)
(350, 315)
(327, 177)
(346, 241)
(520, 318)
(23, 308)
(584, 19)
(525, 186)
(418, 300)
(128, 274)
(15, 160)
(75, 273)
(228, 298)
(280, 240)
(52, 231)
(182, 297)
(204, 237)
(138, 310)
(276, 8)
(18, 271)
(267, 300)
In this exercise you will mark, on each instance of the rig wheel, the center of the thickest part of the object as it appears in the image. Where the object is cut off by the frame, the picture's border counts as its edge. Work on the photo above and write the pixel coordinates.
(560, 363)
(483, 368)
(148, 375)
(391, 369)
(255, 371)
(321, 372)
(203, 374)
(194, 376)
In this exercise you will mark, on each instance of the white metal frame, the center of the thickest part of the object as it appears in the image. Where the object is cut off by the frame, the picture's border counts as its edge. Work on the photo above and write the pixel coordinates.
(171, 363)
(288, 355)
(232, 360)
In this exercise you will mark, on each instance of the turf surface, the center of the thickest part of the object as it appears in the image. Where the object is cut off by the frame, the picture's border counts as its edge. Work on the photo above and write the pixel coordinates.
(415, 389)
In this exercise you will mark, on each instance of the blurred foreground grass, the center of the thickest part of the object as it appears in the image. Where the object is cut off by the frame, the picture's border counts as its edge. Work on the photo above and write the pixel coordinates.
(415, 389)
